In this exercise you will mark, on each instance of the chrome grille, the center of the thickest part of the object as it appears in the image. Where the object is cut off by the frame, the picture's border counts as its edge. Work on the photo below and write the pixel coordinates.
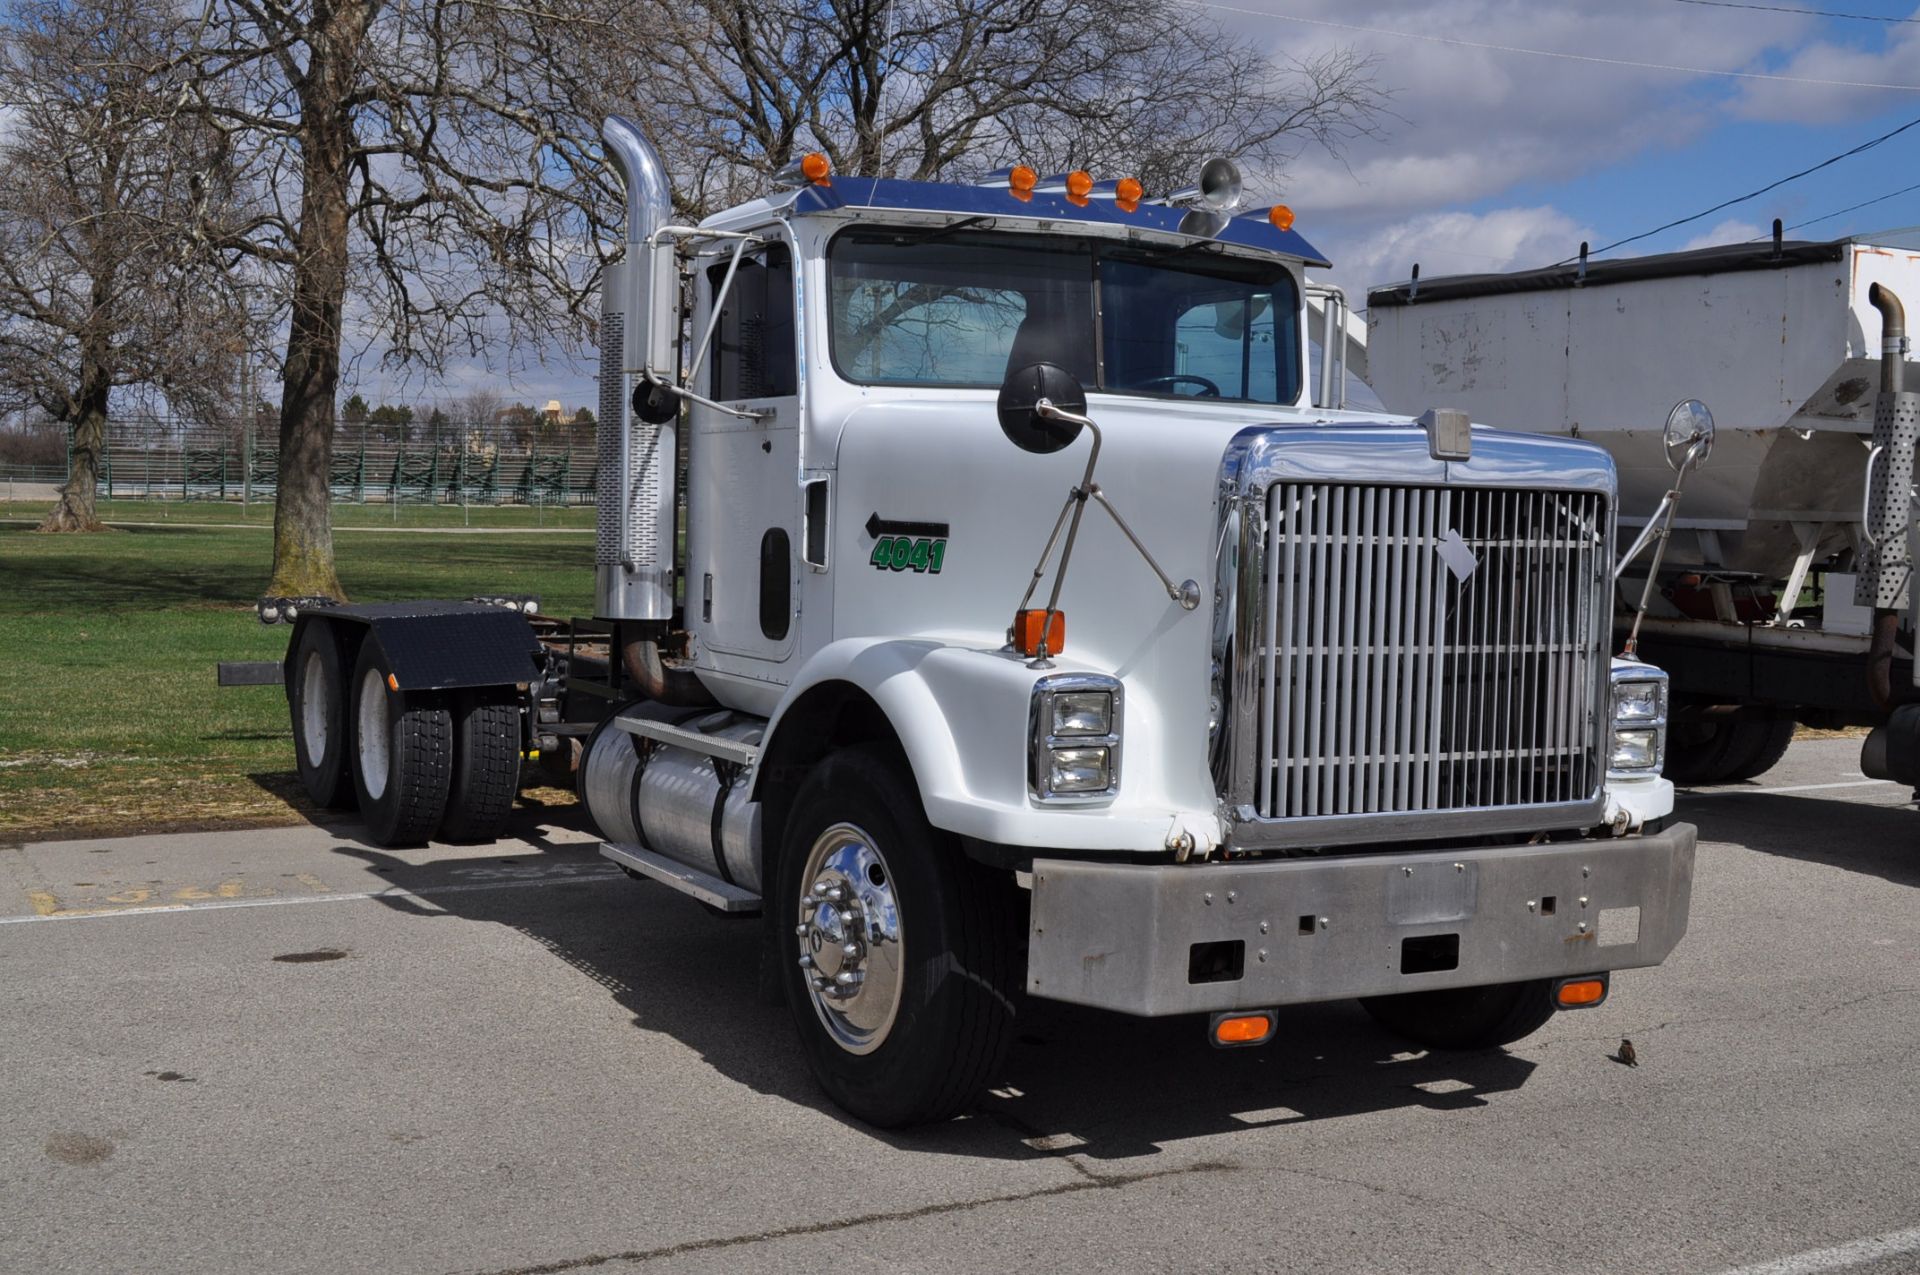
(1391, 682)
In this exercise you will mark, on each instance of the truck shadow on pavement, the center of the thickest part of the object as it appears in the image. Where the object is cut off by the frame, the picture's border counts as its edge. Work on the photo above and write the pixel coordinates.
(1874, 840)
(1078, 1082)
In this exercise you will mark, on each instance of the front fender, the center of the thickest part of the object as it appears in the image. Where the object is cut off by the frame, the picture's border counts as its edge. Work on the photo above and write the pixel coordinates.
(960, 713)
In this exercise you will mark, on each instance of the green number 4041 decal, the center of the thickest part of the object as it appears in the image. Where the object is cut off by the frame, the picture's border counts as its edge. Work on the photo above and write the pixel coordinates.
(907, 553)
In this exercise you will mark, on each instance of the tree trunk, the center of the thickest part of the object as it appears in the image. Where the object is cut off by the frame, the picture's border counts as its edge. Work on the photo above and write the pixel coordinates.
(76, 510)
(303, 510)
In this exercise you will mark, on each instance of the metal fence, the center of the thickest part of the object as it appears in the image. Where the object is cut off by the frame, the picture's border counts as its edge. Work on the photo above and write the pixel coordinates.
(436, 462)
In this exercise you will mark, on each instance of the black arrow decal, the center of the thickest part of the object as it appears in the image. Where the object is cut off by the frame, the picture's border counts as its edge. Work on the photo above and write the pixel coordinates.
(878, 527)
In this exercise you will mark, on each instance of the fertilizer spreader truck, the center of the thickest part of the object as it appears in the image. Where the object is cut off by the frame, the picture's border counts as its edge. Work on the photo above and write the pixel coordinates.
(1313, 705)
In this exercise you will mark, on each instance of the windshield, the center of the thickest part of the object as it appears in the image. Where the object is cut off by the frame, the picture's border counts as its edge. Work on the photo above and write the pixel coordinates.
(964, 309)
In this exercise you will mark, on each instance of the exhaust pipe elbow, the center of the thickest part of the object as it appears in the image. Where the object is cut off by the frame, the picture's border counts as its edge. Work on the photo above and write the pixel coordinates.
(1893, 337)
(649, 196)
(675, 686)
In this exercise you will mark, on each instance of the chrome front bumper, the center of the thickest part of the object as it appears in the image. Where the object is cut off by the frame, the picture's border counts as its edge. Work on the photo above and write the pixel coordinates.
(1124, 936)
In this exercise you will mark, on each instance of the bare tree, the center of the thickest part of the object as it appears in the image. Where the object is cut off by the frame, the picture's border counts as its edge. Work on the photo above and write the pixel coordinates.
(941, 88)
(99, 292)
(437, 185)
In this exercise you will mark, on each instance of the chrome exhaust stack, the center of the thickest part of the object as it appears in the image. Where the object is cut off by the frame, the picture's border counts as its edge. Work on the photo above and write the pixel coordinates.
(1886, 566)
(633, 545)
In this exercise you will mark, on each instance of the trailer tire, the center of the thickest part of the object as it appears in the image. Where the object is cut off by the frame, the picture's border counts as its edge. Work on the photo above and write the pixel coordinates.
(1465, 1017)
(317, 702)
(486, 766)
(1768, 743)
(1725, 750)
(403, 749)
(920, 1035)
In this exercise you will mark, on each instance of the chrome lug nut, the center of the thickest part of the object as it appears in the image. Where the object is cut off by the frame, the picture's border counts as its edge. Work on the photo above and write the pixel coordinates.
(850, 949)
(803, 929)
(806, 961)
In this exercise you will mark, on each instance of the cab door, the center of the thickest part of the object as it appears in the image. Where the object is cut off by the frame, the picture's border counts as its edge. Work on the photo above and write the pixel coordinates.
(742, 591)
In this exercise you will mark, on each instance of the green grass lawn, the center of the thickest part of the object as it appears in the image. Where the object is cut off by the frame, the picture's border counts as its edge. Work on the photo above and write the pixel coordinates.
(110, 718)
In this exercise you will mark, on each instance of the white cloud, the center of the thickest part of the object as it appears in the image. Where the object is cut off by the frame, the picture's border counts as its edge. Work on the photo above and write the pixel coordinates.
(1732, 230)
(1455, 243)
(1896, 63)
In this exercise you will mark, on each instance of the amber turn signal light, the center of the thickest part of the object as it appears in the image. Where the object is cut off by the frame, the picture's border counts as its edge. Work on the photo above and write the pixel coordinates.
(1127, 194)
(1021, 181)
(1281, 216)
(1079, 186)
(815, 168)
(1240, 1027)
(1027, 625)
(1580, 993)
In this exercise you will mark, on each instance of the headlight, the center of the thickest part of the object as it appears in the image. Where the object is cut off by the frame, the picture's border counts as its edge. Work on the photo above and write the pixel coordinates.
(1079, 769)
(1083, 713)
(1634, 750)
(1074, 738)
(1639, 701)
(1639, 719)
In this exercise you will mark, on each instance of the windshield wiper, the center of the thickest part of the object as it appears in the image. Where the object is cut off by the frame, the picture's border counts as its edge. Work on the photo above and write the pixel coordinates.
(941, 232)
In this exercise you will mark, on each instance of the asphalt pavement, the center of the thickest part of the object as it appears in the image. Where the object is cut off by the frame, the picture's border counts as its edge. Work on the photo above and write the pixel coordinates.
(287, 1051)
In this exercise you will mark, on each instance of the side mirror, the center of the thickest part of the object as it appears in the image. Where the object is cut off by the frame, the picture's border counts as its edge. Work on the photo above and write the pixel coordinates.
(1689, 434)
(1020, 419)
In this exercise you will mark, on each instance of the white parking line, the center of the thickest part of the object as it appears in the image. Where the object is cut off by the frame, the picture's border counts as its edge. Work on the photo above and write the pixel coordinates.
(1840, 1256)
(391, 892)
(1748, 792)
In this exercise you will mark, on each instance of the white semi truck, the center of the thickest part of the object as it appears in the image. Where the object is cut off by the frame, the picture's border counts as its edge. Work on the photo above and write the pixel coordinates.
(1315, 705)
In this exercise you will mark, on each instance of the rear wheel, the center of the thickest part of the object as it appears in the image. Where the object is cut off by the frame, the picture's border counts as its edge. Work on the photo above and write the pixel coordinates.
(403, 745)
(1725, 749)
(486, 766)
(1465, 1017)
(317, 700)
(898, 957)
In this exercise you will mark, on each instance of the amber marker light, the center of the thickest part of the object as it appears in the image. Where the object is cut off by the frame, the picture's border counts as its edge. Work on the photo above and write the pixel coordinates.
(1026, 632)
(1021, 181)
(1580, 993)
(1281, 216)
(815, 168)
(1232, 1029)
(1128, 193)
(1079, 186)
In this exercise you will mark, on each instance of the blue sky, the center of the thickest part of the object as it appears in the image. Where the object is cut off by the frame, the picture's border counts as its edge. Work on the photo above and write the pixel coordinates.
(1501, 159)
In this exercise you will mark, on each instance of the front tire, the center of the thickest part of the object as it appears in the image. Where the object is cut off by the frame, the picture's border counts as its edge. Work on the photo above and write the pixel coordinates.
(904, 1002)
(403, 745)
(1725, 749)
(1465, 1017)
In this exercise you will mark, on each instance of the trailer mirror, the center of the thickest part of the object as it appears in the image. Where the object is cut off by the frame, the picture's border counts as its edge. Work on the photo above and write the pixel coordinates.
(1019, 407)
(1689, 434)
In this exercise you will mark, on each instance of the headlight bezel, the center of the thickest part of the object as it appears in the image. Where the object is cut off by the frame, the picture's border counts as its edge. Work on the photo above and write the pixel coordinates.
(1627, 718)
(1044, 740)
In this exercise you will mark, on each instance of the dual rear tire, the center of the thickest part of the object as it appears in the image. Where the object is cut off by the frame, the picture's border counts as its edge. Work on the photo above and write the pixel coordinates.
(416, 763)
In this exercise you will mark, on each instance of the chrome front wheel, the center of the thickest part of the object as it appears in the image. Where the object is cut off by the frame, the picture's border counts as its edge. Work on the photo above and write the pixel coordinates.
(897, 1033)
(851, 942)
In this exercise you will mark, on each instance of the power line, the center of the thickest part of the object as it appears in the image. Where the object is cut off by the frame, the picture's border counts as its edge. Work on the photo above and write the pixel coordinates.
(1865, 203)
(1755, 194)
(1806, 13)
(1555, 53)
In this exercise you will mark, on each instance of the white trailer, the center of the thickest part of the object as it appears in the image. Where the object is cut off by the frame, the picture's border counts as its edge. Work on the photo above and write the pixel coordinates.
(1755, 615)
(1313, 705)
